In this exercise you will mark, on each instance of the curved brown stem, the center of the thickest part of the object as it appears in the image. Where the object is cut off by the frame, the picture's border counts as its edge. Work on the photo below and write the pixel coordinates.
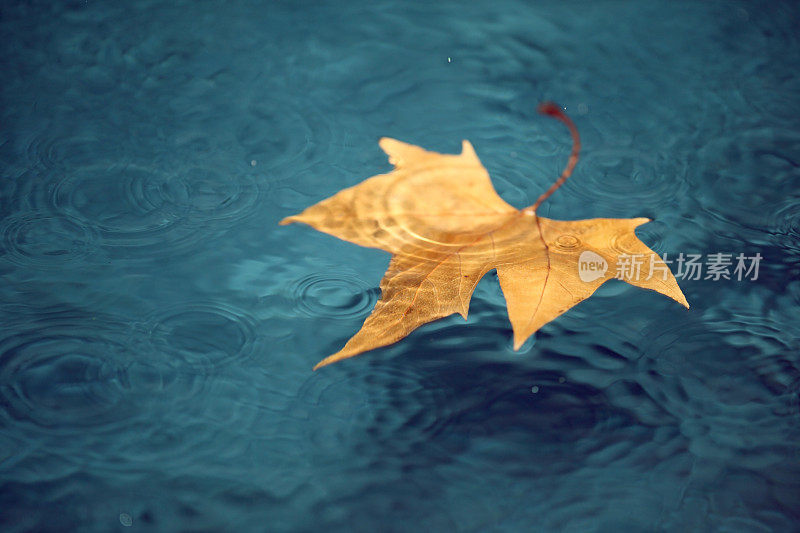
(551, 109)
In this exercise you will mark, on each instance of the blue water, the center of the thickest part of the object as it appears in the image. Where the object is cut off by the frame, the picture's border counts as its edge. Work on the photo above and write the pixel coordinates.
(159, 327)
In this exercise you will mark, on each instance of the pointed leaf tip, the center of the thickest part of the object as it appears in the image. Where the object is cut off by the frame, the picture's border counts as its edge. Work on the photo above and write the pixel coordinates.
(338, 356)
(519, 340)
(324, 362)
(679, 297)
(401, 153)
(467, 150)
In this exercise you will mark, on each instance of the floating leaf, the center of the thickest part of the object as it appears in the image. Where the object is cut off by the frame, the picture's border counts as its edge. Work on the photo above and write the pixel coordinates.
(446, 227)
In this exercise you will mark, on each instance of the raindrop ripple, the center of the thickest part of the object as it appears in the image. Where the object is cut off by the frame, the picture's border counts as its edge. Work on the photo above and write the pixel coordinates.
(333, 295)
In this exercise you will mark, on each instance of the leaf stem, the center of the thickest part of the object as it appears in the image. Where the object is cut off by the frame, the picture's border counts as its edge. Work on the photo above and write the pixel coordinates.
(551, 109)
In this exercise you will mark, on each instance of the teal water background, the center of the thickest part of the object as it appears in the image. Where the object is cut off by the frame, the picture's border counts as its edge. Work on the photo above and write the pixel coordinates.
(158, 328)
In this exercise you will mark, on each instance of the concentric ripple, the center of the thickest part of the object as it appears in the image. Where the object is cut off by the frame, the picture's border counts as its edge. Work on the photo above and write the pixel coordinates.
(333, 295)
(756, 155)
(131, 205)
(215, 195)
(62, 150)
(623, 179)
(152, 211)
(770, 93)
(785, 226)
(283, 137)
(184, 430)
(46, 241)
(394, 406)
(202, 336)
(64, 377)
(567, 243)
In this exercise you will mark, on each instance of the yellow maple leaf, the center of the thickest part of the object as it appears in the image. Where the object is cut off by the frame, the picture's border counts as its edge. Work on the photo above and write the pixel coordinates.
(446, 227)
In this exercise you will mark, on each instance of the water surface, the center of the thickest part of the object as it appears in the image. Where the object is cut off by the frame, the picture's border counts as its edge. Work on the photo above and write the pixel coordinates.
(159, 327)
